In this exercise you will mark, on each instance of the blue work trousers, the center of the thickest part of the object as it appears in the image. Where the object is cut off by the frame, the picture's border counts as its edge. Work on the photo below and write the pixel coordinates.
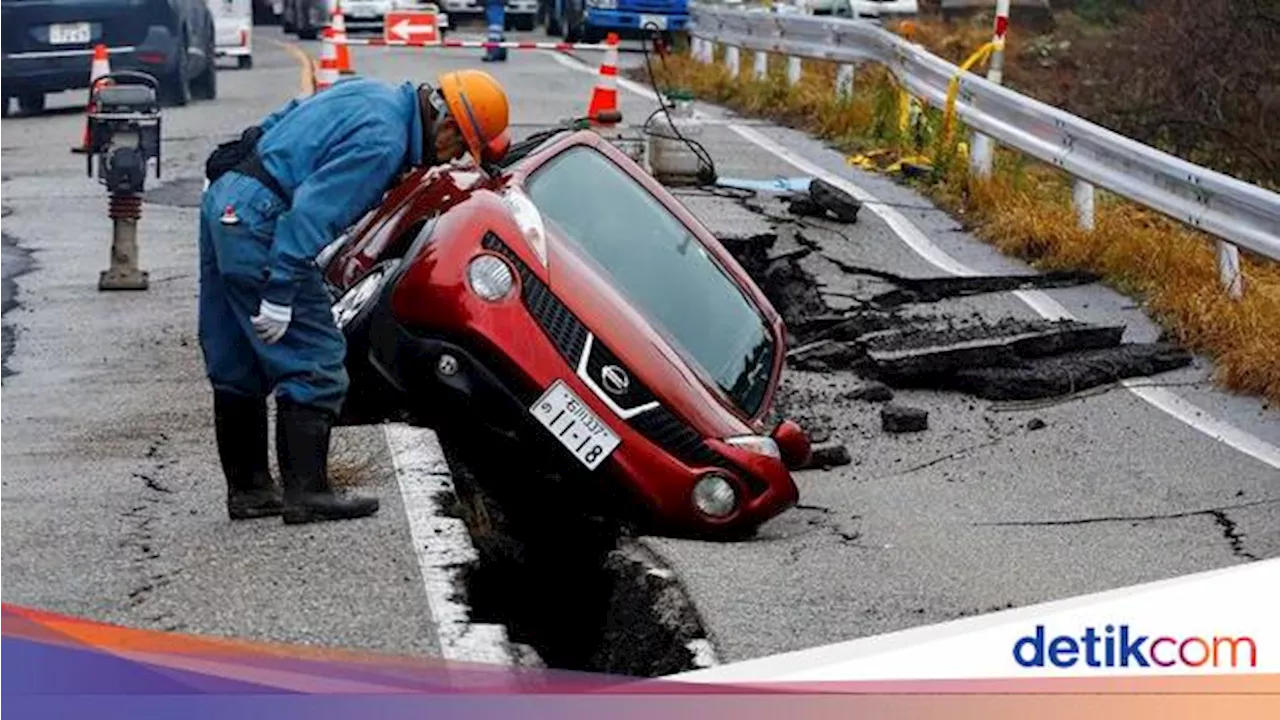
(495, 14)
(237, 222)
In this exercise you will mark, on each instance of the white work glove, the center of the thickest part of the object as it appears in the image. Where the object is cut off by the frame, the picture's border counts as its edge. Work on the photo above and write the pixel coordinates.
(271, 321)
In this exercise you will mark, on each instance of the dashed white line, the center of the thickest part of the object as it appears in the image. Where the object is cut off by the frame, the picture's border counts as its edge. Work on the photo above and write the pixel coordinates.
(1162, 399)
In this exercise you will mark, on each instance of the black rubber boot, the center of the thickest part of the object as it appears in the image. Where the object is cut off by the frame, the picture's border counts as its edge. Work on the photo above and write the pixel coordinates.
(240, 425)
(302, 448)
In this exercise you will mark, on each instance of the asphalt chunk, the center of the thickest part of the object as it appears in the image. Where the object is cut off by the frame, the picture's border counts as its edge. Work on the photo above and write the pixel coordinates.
(828, 455)
(927, 290)
(826, 356)
(915, 352)
(903, 419)
(873, 392)
(1065, 374)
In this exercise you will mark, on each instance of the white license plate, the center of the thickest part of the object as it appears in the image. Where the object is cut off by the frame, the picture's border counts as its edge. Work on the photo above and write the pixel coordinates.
(361, 11)
(649, 22)
(69, 34)
(568, 418)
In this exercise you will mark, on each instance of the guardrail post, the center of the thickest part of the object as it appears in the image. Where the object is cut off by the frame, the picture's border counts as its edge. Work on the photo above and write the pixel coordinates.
(981, 157)
(793, 70)
(696, 47)
(761, 69)
(731, 59)
(1082, 199)
(844, 81)
(1229, 269)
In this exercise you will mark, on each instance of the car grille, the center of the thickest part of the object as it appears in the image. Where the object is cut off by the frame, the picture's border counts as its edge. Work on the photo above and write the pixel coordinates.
(569, 335)
(674, 436)
(635, 394)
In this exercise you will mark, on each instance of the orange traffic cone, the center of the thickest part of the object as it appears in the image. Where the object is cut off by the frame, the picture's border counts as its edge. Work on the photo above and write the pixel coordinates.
(603, 109)
(101, 66)
(327, 75)
(339, 25)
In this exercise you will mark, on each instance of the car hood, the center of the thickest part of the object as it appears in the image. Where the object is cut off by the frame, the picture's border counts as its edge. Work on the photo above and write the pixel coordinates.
(645, 353)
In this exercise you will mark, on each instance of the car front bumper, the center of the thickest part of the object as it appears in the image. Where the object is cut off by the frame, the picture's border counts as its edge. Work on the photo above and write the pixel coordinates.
(58, 70)
(233, 39)
(627, 20)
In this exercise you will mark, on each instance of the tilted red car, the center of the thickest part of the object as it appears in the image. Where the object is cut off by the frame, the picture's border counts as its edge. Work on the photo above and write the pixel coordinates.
(567, 312)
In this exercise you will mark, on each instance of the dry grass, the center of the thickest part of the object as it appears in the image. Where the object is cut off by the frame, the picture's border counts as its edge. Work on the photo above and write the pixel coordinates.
(1025, 210)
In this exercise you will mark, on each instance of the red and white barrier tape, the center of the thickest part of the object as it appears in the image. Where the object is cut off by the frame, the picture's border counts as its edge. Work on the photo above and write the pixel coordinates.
(481, 44)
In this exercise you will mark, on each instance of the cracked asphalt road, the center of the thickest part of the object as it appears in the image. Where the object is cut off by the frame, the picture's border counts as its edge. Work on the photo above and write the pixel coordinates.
(113, 497)
(997, 505)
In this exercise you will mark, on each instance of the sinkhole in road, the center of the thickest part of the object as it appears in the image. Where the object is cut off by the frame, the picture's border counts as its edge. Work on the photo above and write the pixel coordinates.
(573, 587)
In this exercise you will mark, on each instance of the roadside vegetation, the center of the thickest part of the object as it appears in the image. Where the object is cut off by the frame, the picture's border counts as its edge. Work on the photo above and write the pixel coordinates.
(1150, 74)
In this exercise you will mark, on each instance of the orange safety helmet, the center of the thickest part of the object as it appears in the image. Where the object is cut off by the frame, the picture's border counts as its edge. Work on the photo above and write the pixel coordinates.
(478, 104)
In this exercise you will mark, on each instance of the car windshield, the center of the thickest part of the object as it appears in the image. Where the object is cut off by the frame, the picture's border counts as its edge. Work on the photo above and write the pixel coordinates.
(661, 267)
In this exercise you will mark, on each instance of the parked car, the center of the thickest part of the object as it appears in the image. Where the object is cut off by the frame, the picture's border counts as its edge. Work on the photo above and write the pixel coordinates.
(306, 18)
(233, 30)
(862, 9)
(568, 312)
(593, 20)
(520, 14)
(48, 46)
(267, 12)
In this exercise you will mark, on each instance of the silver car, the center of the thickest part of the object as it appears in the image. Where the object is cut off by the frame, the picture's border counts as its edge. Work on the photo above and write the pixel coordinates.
(306, 18)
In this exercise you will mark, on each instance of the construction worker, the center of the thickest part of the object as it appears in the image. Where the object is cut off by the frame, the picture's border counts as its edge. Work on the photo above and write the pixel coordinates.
(495, 13)
(319, 164)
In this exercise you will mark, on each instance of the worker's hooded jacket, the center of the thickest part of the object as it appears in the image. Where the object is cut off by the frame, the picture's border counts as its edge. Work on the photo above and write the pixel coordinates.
(335, 153)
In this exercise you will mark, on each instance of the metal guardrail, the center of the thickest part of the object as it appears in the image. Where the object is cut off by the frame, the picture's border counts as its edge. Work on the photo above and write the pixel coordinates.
(1235, 211)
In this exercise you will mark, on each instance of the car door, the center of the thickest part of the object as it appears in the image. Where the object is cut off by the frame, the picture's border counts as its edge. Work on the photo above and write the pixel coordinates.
(190, 14)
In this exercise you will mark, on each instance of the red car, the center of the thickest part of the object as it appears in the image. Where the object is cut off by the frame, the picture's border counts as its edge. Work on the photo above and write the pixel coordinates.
(564, 309)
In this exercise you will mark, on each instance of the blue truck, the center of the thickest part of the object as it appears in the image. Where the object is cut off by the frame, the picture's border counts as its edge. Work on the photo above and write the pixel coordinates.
(591, 20)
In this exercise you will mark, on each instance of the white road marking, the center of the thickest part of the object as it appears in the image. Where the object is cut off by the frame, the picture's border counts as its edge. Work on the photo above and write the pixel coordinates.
(442, 546)
(1160, 398)
(704, 653)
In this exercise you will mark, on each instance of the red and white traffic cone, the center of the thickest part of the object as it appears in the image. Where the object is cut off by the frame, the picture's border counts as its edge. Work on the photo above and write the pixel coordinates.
(603, 109)
(339, 24)
(327, 75)
(101, 66)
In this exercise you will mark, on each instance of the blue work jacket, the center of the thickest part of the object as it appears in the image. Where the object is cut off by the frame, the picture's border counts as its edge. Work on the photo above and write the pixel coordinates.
(336, 153)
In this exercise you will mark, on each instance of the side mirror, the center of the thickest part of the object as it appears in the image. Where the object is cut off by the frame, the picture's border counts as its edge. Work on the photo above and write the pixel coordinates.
(793, 443)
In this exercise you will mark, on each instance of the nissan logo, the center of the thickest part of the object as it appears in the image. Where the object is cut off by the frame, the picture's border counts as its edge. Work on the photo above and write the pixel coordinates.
(615, 379)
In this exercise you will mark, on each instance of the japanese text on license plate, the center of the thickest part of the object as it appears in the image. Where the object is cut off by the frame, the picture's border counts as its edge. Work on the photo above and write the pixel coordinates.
(569, 419)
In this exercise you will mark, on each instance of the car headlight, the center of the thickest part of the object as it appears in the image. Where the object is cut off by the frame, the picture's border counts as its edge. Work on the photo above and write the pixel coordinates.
(602, 4)
(490, 278)
(354, 300)
(757, 444)
(714, 496)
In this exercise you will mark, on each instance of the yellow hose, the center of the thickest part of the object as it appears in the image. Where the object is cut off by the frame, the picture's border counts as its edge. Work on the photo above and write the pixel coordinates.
(953, 90)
